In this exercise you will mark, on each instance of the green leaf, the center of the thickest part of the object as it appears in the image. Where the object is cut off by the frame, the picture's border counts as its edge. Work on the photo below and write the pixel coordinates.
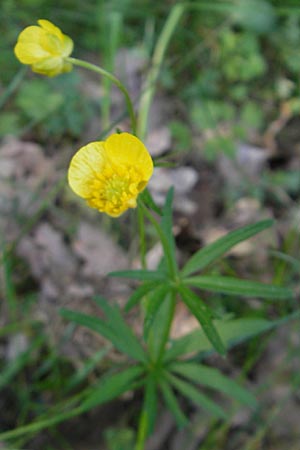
(37, 99)
(153, 304)
(148, 200)
(213, 378)
(135, 351)
(166, 239)
(213, 251)
(112, 386)
(231, 331)
(204, 315)
(119, 438)
(14, 367)
(93, 323)
(158, 335)
(293, 262)
(235, 286)
(258, 16)
(139, 293)
(143, 275)
(172, 404)
(193, 394)
(150, 403)
(125, 339)
(87, 368)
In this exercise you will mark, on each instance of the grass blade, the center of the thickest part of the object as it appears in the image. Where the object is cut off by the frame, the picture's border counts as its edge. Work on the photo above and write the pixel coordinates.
(87, 368)
(19, 362)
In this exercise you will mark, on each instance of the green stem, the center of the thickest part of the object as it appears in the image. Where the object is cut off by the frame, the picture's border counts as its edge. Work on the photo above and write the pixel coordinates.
(113, 79)
(157, 59)
(141, 225)
(13, 86)
(141, 432)
(40, 425)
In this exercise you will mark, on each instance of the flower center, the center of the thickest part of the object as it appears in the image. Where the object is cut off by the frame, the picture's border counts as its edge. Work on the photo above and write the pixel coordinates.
(115, 189)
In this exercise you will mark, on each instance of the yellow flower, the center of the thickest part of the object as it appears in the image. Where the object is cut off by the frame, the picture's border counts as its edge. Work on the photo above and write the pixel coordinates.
(110, 174)
(44, 48)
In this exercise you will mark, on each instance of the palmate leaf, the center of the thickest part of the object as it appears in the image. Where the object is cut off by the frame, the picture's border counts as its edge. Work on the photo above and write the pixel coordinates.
(213, 251)
(197, 397)
(235, 286)
(204, 315)
(213, 378)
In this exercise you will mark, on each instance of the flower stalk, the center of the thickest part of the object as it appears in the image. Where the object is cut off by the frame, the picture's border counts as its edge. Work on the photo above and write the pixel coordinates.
(113, 79)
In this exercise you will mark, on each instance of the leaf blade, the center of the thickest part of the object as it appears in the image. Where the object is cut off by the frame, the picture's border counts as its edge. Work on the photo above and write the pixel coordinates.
(214, 379)
(142, 275)
(211, 252)
(204, 316)
(173, 404)
(100, 327)
(235, 286)
(139, 293)
(127, 341)
(112, 386)
(153, 305)
(198, 398)
(231, 332)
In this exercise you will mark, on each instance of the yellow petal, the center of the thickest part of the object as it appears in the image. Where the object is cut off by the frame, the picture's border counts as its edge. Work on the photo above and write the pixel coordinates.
(66, 46)
(49, 66)
(50, 27)
(126, 149)
(31, 34)
(84, 168)
(29, 53)
(28, 49)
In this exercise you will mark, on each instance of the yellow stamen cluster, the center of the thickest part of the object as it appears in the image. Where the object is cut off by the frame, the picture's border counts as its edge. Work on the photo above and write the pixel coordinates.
(110, 175)
(115, 189)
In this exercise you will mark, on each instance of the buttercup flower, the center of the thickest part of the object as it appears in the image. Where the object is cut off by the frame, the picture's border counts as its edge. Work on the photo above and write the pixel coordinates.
(44, 48)
(110, 174)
